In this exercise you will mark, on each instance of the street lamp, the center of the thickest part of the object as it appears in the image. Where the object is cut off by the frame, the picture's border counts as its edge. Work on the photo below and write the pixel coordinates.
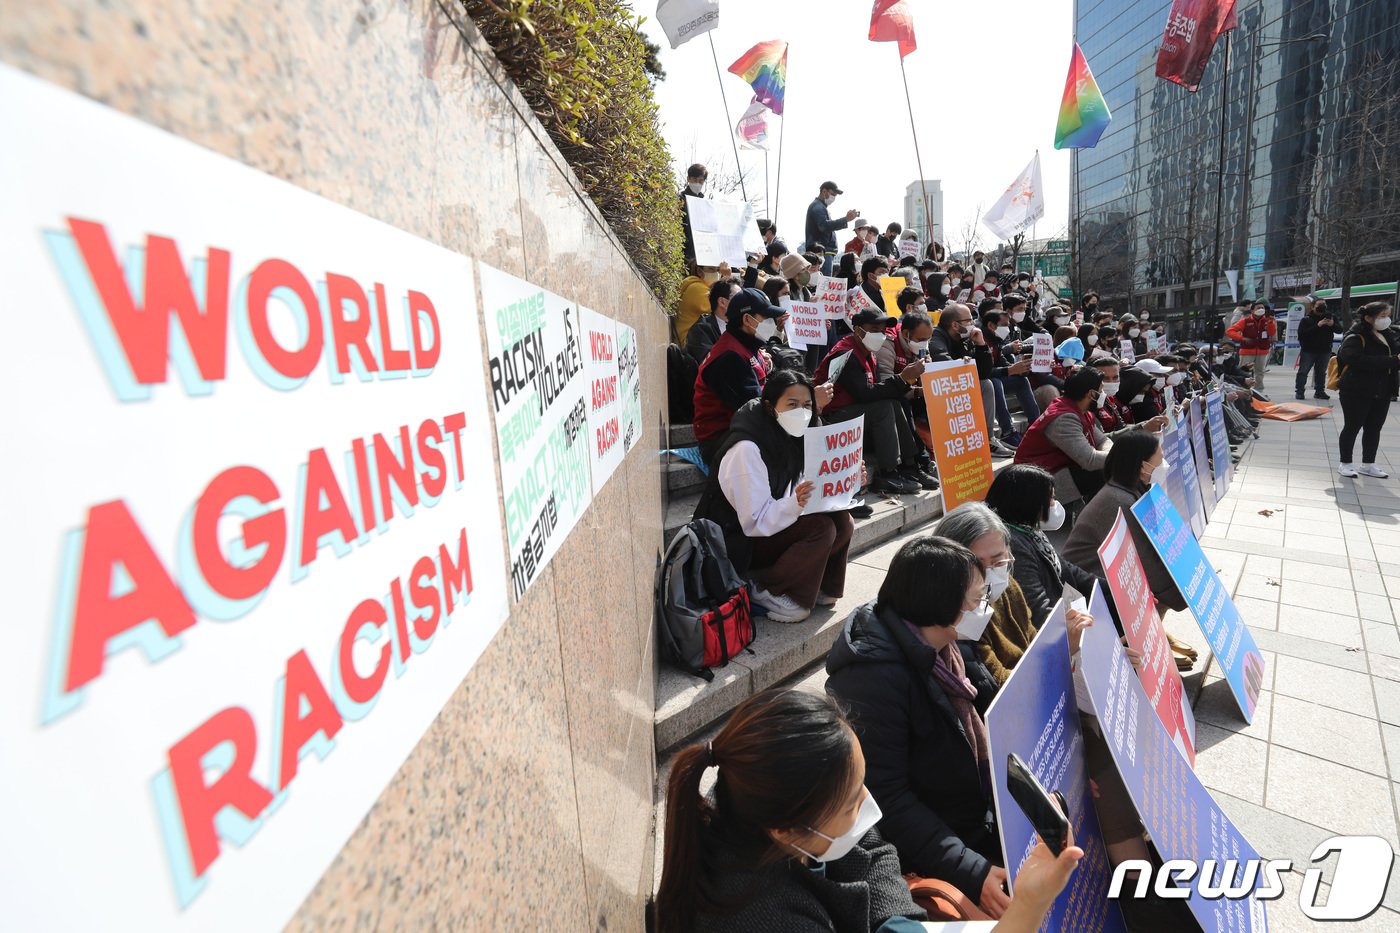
(1249, 134)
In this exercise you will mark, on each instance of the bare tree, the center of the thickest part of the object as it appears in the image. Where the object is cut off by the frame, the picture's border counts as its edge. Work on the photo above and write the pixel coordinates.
(1352, 200)
(970, 233)
(726, 180)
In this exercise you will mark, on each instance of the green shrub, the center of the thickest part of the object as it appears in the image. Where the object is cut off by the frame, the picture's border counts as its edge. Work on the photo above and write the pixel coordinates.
(582, 66)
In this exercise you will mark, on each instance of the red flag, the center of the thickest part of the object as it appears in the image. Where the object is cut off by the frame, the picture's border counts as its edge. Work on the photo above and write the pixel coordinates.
(1193, 27)
(891, 21)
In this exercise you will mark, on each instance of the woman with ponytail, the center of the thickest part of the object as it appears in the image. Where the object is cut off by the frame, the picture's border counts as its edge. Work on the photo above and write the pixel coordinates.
(786, 841)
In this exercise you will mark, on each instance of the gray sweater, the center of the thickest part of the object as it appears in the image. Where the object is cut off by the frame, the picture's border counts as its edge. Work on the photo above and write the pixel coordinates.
(1092, 528)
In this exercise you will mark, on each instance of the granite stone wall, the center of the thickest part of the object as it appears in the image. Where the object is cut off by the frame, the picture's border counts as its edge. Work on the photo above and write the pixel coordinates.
(527, 804)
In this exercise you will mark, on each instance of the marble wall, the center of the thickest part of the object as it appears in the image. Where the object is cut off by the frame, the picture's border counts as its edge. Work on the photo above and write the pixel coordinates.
(527, 804)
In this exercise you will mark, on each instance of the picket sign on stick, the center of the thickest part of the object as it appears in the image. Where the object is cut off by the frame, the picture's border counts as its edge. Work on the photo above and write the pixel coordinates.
(833, 455)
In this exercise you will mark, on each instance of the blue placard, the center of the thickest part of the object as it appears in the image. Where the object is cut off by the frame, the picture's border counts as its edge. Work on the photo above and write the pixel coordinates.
(1184, 466)
(1235, 652)
(1220, 461)
(1175, 485)
(1035, 716)
(1204, 482)
(1178, 812)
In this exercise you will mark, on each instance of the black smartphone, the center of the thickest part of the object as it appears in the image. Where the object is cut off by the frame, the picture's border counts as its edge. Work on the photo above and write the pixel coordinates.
(1047, 813)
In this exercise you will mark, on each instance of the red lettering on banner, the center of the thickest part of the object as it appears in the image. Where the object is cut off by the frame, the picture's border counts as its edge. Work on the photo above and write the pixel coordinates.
(346, 334)
(430, 456)
(424, 357)
(600, 345)
(269, 529)
(424, 596)
(453, 425)
(144, 333)
(607, 436)
(318, 521)
(395, 361)
(390, 468)
(357, 688)
(199, 802)
(270, 276)
(604, 392)
(456, 576)
(112, 539)
(302, 683)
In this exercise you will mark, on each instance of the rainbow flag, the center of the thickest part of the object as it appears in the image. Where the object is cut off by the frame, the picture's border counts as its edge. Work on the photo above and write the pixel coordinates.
(765, 67)
(1083, 111)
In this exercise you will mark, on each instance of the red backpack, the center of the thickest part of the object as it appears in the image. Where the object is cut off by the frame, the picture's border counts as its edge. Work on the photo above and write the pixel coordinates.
(702, 606)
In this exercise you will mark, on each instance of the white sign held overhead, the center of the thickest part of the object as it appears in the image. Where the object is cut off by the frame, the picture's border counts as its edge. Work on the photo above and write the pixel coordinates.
(724, 231)
(255, 545)
(1022, 204)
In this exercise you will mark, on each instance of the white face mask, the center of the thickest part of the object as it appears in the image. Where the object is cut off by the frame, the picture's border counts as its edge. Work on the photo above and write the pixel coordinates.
(1382, 323)
(955, 281)
(1056, 519)
(946, 288)
(829, 200)
(998, 578)
(1137, 398)
(873, 341)
(1098, 399)
(1133, 332)
(695, 187)
(766, 330)
(918, 346)
(1062, 319)
(710, 276)
(1160, 382)
(972, 623)
(866, 818)
(1258, 312)
(1093, 339)
(794, 420)
(1159, 475)
(1003, 332)
(877, 277)
(1175, 379)
(723, 324)
(1018, 316)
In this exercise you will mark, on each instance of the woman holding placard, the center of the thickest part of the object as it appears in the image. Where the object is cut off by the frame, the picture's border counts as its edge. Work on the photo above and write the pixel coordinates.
(757, 493)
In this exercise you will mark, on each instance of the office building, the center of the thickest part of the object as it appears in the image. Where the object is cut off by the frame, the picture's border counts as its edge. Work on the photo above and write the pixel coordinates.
(930, 226)
(1298, 75)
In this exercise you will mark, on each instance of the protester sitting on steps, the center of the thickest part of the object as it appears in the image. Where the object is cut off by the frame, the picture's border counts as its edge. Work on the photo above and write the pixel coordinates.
(707, 331)
(695, 299)
(956, 337)
(756, 496)
(908, 343)
(1066, 440)
(897, 667)
(786, 841)
(1133, 466)
(736, 368)
(1023, 496)
(890, 444)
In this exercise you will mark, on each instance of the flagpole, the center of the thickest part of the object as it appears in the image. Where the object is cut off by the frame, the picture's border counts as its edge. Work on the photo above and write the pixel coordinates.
(918, 160)
(766, 211)
(778, 186)
(738, 168)
(1219, 179)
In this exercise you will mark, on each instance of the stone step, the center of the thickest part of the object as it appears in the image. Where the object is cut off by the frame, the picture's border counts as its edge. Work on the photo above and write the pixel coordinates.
(685, 704)
(681, 435)
(682, 477)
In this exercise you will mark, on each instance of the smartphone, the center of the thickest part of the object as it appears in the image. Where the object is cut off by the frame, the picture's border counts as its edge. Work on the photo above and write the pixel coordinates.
(1045, 811)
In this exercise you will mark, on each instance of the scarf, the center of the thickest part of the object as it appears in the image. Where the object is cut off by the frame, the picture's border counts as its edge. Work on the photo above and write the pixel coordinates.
(951, 675)
(1042, 545)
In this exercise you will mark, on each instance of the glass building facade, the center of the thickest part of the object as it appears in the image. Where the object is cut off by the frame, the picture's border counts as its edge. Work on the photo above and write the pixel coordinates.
(1145, 198)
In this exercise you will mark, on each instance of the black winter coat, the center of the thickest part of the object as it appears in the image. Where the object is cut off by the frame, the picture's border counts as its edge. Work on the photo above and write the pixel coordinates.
(1314, 337)
(1369, 359)
(857, 893)
(919, 763)
(1039, 582)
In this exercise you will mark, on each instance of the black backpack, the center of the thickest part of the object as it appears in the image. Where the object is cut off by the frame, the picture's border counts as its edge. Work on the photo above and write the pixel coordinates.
(702, 606)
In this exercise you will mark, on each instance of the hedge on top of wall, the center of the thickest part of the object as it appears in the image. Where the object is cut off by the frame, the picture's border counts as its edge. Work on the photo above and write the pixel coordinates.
(582, 66)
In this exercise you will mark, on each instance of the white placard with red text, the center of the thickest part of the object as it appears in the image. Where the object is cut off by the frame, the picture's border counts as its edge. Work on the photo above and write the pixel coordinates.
(1042, 353)
(604, 393)
(831, 295)
(805, 325)
(833, 454)
(255, 538)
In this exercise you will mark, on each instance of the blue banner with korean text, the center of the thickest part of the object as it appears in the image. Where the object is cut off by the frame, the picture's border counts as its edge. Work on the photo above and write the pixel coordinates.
(1236, 654)
(1221, 465)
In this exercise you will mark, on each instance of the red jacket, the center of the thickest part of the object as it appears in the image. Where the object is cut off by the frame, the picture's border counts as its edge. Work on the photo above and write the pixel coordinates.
(1035, 448)
(1255, 334)
(712, 415)
(860, 356)
(1113, 415)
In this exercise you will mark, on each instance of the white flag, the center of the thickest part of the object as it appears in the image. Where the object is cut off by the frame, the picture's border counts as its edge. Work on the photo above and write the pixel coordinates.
(683, 20)
(752, 128)
(1022, 204)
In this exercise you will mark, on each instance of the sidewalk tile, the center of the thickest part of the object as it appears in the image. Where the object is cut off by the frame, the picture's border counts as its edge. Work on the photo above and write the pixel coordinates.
(1391, 735)
(1365, 582)
(1339, 577)
(1259, 563)
(1259, 586)
(1230, 763)
(1353, 741)
(1332, 796)
(1388, 701)
(1310, 649)
(1384, 666)
(1258, 613)
(1312, 596)
(1375, 608)
(1330, 627)
(1349, 691)
(1381, 638)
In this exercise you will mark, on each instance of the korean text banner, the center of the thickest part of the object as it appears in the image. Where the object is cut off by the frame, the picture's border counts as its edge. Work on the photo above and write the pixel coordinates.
(1236, 654)
(1221, 465)
(630, 381)
(956, 421)
(261, 541)
(1137, 609)
(1184, 468)
(1177, 810)
(539, 391)
(1035, 716)
(1199, 453)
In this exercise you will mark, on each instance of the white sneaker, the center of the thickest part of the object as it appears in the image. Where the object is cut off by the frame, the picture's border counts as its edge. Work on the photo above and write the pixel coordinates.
(780, 608)
(1370, 469)
(825, 600)
(1346, 469)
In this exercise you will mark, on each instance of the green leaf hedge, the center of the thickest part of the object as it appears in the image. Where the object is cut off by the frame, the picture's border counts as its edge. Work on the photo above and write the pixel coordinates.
(582, 66)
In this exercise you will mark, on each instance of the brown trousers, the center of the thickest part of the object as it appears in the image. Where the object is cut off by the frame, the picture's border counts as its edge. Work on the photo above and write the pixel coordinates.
(808, 555)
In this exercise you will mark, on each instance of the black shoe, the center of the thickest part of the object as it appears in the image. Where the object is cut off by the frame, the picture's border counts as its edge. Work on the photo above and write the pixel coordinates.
(861, 511)
(925, 480)
(892, 484)
(1322, 395)
(1299, 396)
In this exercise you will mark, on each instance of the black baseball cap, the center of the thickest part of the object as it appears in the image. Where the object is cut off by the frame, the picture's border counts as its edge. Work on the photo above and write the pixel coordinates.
(867, 316)
(832, 186)
(752, 301)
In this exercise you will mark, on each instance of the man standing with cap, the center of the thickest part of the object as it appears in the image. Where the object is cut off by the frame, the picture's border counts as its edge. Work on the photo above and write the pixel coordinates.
(821, 229)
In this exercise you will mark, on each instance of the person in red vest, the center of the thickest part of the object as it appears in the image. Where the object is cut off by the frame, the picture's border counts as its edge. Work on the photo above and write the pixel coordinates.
(1067, 441)
(1256, 332)
(735, 369)
(890, 444)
